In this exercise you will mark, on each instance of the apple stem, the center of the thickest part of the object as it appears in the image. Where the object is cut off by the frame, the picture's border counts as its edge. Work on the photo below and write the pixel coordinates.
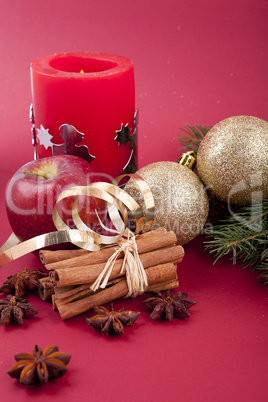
(36, 173)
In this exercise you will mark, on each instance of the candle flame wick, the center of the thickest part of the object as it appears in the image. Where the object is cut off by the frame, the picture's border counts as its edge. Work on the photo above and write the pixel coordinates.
(82, 71)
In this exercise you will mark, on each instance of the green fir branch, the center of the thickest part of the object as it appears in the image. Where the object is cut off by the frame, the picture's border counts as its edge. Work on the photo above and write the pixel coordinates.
(241, 233)
(244, 236)
(193, 137)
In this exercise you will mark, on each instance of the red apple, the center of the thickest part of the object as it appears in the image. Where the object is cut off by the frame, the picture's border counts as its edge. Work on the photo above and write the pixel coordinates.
(32, 192)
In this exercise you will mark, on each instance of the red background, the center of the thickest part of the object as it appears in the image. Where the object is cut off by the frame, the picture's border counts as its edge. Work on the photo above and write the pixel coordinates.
(195, 63)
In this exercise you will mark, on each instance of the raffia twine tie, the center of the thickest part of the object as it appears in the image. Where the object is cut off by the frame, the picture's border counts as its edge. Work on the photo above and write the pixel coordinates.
(135, 273)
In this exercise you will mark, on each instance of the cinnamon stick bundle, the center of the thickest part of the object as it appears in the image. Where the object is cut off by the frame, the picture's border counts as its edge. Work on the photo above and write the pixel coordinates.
(73, 272)
(155, 275)
(88, 274)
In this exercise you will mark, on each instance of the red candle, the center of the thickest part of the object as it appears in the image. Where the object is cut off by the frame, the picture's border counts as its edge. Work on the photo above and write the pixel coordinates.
(94, 93)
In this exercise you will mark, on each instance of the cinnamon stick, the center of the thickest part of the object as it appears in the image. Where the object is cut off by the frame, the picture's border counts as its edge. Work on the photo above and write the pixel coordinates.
(63, 289)
(155, 275)
(58, 292)
(45, 288)
(48, 256)
(78, 293)
(54, 305)
(159, 287)
(146, 242)
(82, 275)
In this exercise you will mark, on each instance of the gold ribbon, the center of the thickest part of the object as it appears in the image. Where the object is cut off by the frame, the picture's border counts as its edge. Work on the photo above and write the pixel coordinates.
(119, 203)
(63, 236)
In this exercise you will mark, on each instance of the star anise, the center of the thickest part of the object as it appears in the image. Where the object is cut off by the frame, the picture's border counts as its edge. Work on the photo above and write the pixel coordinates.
(15, 309)
(108, 322)
(40, 367)
(22, 281)
(169, 306)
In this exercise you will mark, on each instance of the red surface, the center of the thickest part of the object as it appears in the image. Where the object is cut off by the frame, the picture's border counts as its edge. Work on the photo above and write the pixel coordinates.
(195, 63)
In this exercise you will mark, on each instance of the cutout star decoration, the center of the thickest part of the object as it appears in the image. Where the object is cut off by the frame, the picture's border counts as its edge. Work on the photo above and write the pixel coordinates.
(123, 137)
(123, 134)
(44, 137)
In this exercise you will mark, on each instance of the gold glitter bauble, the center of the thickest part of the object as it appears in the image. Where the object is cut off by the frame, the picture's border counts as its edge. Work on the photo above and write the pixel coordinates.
(181, 203)
(232, 160)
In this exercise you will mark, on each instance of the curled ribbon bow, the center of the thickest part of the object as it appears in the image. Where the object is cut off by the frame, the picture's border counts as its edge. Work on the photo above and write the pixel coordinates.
(119, 204)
